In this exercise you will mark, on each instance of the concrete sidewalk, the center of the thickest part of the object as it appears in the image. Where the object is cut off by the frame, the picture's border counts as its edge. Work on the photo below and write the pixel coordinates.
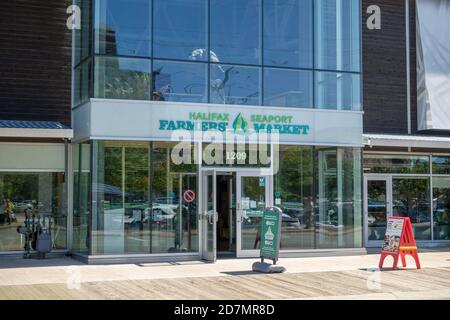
(319, 277)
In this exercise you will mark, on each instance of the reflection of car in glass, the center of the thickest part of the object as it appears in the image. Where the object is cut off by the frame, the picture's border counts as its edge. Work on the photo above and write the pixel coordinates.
(162, 214)
(327, 213)
(288, 222)
(22, 205)
(418, 213)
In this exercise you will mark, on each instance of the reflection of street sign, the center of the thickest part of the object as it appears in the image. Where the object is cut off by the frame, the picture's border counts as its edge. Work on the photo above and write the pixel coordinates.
(262, 181)
(189, 196)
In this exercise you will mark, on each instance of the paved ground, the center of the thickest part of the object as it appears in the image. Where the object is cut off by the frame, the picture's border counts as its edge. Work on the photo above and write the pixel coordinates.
(306, 278)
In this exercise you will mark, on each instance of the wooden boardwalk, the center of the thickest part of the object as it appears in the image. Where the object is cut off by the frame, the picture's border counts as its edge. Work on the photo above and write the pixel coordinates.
(247, 285)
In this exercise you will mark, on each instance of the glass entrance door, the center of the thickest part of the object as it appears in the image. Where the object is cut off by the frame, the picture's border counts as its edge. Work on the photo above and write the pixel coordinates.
(208, 218)
(377, 208)
(253, 196)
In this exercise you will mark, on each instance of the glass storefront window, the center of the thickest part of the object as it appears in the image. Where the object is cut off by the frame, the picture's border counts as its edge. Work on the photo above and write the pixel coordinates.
(341, 91)
(288, 88)
(294, 195)
(411, 198)
(40, 192)
(235, 31)
(123, 27)
(244, 45)
(122, 78)
(441, 164)
(235, 85)
(288, 33)
(81, 197)
(138, 203)
(441, 208)
(180, 29)
(338, 219)
(337, 35)
(382, 163)
(179, 81)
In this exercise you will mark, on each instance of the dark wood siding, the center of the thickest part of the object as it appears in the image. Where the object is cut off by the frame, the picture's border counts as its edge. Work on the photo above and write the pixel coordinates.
(35, 60)
(384, 70)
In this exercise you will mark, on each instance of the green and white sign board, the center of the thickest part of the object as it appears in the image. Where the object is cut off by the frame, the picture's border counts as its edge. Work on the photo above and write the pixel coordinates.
(270, 235)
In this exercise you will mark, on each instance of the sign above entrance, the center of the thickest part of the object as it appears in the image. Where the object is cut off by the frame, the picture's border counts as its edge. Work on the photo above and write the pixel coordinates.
(156, 120)
(238, 124)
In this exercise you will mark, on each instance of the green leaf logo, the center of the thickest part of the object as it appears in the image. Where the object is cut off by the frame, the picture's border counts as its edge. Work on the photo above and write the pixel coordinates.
(240, 124)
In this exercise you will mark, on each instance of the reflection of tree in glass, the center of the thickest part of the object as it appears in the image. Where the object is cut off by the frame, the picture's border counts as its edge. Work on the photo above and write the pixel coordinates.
(127, 84)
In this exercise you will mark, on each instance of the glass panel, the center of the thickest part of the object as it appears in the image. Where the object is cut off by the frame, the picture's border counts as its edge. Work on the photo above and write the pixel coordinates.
(140, 208)
(441, 208)
(341, 91)
(253, 203)
(293, 185)
(122, 27)
(82, 36)
(210, 215)
(339, 219)
(337, 35)
(174, 223)
(179, 81)
(441, 165)
(376, 209)
(81, 197)
(235, 31)
(410, 198)
(235, 85)
(41, 194)
(82, 83)
(122, 78)
(288, 33)
(380, 163)
(180, 29)
(288, 88)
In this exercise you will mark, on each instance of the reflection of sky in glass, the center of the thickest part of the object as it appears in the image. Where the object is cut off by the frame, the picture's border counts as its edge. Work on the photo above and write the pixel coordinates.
(179, 28)
(289, 88)
(288, 33)
(180, 81)
(338, 91)
(337, 30)
(235, 30)
(235, 85)
(131, 30)
(180, 32)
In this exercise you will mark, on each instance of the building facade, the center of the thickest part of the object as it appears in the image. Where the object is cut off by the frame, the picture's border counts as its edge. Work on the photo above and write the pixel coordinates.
(406, 132)
(224, 76)
(191, 117)
(35, 118)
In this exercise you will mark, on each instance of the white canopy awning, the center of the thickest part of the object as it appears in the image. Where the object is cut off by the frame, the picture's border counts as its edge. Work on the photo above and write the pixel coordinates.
(385, 140)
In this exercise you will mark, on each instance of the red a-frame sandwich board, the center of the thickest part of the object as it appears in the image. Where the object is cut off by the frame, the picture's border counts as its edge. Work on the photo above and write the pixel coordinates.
(399, 241)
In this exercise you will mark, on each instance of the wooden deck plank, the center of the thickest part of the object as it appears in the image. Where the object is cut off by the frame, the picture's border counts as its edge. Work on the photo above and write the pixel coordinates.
(282, 286)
